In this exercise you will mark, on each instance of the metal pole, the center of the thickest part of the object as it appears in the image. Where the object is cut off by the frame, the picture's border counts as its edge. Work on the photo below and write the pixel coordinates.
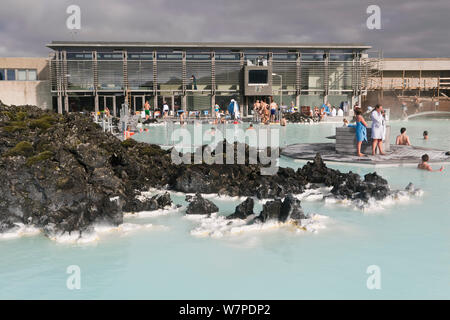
(281, 90)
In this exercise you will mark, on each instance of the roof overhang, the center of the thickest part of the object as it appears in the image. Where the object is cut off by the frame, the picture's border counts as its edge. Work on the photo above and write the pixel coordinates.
(204, 45)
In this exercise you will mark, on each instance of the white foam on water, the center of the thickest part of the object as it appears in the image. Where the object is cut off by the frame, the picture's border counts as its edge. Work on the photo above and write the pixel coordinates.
(102, 230)
(373, 205)
(221, 197)
(154, 213)
(20, 230)
(216, 226)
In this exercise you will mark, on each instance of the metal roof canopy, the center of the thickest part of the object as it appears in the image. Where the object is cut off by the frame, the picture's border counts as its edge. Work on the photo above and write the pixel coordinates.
(228, 45)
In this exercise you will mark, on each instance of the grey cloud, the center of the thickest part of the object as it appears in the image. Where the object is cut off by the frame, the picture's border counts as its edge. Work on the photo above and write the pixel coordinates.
(409, 28)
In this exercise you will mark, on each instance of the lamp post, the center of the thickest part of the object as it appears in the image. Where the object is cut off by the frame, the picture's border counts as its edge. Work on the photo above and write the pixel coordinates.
(281, 87)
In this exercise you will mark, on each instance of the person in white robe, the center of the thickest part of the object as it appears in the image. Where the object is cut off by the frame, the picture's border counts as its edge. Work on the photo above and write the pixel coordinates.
(378, 129)
(237, 115)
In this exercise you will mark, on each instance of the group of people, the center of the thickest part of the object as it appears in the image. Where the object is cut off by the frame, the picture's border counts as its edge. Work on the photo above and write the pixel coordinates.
(378, 129)
(267, 112)
(379, 132)
(232, 113)
(326, 110)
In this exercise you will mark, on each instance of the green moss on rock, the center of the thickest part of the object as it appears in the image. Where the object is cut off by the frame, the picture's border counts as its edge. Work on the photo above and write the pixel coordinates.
(38, 158)
(23, 148)
(43, 123)
(129, 143)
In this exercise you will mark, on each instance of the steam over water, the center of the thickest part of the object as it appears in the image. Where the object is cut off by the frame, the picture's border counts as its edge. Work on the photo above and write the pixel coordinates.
(165, 255)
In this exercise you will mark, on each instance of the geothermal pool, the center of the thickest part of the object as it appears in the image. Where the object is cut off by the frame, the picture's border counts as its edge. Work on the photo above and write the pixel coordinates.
(163, 256)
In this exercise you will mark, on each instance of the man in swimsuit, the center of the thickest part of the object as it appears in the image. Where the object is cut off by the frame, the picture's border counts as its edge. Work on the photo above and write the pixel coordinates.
(425, 166)
(147, 110)
(273, 110)
(256, 107)
(403, 139)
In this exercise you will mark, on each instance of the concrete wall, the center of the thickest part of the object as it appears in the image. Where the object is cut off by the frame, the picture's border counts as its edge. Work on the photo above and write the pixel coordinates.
(27, 92)
(35, 93)
(416, 64)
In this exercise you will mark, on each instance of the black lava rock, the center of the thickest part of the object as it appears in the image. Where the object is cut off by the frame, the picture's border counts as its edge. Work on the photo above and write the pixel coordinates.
(375, 179)
(291, 209)
(297, 117)
(243, 210)
(271, 211)
(159, 201)
(199, 205)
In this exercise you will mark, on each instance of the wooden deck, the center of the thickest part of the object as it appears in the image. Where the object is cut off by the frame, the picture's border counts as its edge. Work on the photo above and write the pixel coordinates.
(398, 155)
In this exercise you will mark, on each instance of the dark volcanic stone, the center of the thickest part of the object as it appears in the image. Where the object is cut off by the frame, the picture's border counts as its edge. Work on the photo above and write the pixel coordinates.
(410, 187)
(297, 117)
(243, 210)
(271, 210)
(291, 209)
(375, 179)
(159, 201)
(199, 205)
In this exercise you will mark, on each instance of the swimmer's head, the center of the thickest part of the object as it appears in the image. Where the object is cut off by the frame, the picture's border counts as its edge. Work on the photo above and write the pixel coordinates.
(402, 130)
(425, 158)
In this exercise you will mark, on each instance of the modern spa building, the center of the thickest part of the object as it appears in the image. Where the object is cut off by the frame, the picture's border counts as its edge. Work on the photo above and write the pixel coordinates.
(195, 76)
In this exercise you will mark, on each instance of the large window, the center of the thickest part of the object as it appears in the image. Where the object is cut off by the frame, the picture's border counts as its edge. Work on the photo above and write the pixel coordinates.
(258, 76)
(18, 74)
(10, 74)
(110, 71)
(32, 75)
(22, 75)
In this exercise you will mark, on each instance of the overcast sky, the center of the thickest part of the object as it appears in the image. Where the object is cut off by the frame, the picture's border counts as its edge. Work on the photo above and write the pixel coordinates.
(408, 28)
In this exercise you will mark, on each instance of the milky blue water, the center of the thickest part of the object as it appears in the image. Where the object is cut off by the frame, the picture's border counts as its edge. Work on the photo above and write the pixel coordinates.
(409, 242)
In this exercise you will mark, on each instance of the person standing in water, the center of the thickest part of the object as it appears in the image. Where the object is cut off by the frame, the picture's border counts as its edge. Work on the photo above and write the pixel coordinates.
(273, 110)
(378, 129)
(403, 139)
(425, 135)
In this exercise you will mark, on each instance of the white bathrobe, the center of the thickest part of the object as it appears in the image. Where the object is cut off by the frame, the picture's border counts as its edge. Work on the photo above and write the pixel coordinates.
(378, 130)
(236, 110)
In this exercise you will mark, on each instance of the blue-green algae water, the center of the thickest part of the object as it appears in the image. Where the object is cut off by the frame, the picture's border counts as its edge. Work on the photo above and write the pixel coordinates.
(409, 241)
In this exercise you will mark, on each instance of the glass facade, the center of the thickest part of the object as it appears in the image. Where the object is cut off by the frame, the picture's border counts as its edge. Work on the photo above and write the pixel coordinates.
(197, 77)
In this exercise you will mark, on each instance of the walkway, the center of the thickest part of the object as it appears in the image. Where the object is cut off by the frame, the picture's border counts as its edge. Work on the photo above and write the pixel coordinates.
(428, 113)
(397, 156)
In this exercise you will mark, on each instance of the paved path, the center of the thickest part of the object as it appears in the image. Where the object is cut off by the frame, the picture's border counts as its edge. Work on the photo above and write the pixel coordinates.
(397, 155)
(428, 113)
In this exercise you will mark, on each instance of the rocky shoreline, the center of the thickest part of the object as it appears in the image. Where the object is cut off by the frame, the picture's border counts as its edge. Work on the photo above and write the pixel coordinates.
(297, 117)
(62, 173)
